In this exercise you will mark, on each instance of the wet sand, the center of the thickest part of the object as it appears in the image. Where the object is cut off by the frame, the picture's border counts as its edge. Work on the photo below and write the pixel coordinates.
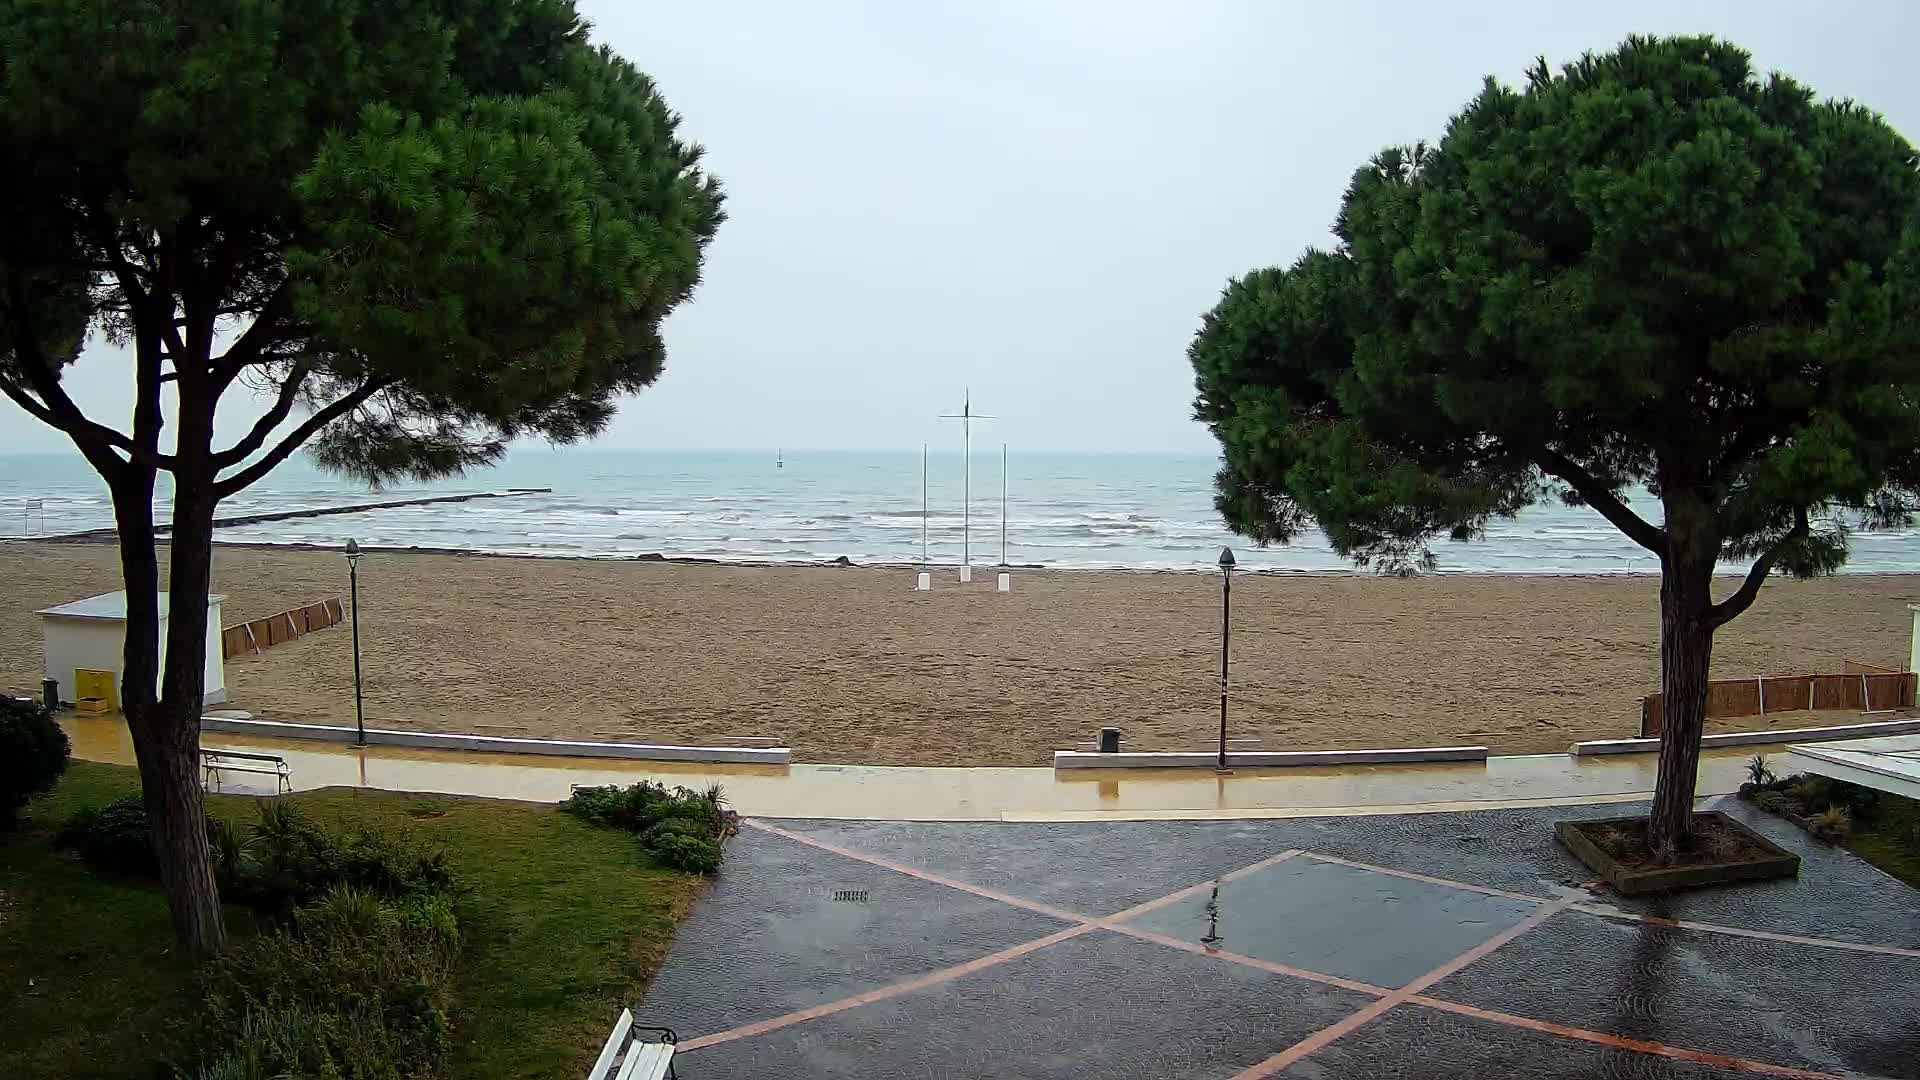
(851, 665)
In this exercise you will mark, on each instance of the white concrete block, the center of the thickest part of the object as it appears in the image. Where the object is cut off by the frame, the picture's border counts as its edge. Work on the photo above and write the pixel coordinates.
(1754, 738)
(1264, 759)
(773, 755)
(923, 582)
(966, 573)
(1004, 583)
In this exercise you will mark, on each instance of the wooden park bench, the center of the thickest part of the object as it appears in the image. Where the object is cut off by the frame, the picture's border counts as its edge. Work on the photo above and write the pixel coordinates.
(629, 1057)
(214, 762)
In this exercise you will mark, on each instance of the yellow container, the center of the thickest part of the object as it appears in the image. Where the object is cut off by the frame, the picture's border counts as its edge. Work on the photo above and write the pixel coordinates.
(94, 691)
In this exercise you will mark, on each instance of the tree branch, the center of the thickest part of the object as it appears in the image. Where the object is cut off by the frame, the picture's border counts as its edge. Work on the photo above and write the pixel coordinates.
(248, 349)
(1606, 502)
(56, 409)
(1726, 610)
(257, 437)
(239, 481)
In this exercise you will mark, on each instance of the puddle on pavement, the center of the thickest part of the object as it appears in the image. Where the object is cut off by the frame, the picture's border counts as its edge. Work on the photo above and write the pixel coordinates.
(1339, 920)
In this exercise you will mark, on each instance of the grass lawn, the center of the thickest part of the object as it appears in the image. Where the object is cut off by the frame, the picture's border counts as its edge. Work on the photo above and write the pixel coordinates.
(560, 922)
(1890, 839)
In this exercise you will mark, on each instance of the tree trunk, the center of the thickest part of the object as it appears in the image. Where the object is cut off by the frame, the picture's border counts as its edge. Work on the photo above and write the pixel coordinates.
(1686, 656)
(166, 738)
(176, 805)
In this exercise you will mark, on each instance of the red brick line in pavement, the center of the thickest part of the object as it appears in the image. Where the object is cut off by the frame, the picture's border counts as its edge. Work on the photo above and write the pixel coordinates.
(1702, 1057)
(923, 875)
(1083, 925)
(1375, 1010)
(1629, 916)
(1387, 999)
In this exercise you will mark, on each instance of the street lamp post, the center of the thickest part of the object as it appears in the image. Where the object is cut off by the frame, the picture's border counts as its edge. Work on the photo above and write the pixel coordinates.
(1226, 609)
(353, 587)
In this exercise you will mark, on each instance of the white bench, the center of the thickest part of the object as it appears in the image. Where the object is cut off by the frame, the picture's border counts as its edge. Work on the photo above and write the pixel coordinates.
(629, 1057)
(214, 762)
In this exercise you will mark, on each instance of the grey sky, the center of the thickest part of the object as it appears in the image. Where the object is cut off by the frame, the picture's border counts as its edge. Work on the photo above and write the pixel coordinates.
(1039, 199)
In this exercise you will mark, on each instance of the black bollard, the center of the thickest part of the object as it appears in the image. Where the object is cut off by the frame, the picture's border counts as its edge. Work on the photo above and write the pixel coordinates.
(50, 694)
(1109, 740)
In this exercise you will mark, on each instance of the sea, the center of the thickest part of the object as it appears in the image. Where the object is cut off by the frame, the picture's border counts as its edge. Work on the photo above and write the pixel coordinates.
(1146, 511)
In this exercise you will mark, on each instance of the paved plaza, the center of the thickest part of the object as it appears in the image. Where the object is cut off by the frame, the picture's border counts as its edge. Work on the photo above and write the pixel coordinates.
(1429, 945)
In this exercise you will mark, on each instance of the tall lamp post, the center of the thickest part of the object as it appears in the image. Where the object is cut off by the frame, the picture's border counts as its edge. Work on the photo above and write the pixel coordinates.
(353, 586)
(1226, 610)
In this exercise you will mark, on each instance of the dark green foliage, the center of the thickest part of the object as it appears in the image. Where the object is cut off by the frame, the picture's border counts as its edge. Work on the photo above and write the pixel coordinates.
(284, 859)
(114, 837)
(1654, 267)
(1834, 824)
(679, 827)
(1759, 773)
(417, 229)
(683, 845)
(540, 957)
(290, 860)
(33, 754)
(462, 213)
(355, 986)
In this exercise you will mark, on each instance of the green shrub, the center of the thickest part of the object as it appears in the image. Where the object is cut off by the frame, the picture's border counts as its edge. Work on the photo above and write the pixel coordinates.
(356, 986)
(114, 837)
(1759, 773)
(597, 805)
(685, 851)
(1811, 793)
(288, 860)
(33, 754)
(1834, 824)
(679, 827)
(1862, 803)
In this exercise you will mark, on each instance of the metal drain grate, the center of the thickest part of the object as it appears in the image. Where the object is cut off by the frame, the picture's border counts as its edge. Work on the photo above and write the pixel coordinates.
(849, 896)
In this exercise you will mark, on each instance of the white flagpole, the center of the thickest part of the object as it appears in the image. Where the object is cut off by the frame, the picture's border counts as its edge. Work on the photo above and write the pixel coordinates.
(966, 416)
(1003, 504)
(923, 506)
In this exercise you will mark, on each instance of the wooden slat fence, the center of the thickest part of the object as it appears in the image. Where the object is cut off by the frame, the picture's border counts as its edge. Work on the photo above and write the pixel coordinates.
(259, 635)
(1861, 688)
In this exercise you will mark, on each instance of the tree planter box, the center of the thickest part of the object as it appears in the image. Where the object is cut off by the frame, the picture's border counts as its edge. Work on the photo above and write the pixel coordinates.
(1767, 860)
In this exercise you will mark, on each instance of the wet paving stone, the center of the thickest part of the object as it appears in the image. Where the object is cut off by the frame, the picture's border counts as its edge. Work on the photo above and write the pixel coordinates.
(1094, 869)
(1338, 920)
(1101, 1005)
(788, 927)
(1796, 1005)
(1411, 1043)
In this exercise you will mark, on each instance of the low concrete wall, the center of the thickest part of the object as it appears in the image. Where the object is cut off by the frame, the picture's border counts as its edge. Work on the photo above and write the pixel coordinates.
(1264, 759)
(777, 755)
(1754, 738)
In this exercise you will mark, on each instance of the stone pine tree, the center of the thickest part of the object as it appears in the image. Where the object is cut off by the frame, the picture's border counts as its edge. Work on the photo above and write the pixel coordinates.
(1652, 269)
(417, 229)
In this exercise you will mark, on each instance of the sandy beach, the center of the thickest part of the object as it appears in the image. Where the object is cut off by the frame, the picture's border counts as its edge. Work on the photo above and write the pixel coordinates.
(850, 665)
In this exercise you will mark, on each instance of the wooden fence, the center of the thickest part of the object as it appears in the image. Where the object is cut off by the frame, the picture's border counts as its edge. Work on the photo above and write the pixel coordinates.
(1861, 688)
(251, 638)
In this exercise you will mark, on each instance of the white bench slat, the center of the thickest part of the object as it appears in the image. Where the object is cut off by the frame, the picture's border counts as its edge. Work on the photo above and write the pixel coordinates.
(228, 766)
(646, 1061)
(614, 1042)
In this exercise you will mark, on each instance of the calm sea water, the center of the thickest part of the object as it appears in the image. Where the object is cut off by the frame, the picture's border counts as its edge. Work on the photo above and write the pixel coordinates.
(1062, 509)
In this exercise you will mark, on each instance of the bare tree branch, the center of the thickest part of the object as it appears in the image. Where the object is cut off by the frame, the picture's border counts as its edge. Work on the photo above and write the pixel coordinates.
(257, 437)
(354, 399)
(1596, 495)
(1742, 599)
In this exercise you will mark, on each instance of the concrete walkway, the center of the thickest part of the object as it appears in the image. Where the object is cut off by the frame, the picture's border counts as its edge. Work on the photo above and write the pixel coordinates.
(972, 794)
